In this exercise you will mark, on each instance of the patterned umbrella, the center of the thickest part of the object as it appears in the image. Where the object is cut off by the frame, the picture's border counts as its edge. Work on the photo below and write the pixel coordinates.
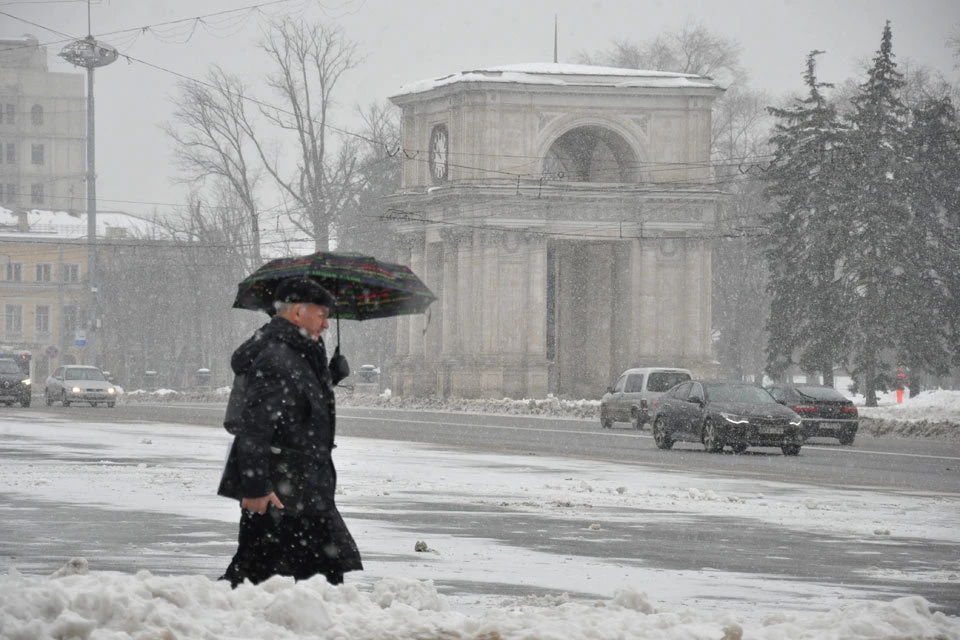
(365, 287)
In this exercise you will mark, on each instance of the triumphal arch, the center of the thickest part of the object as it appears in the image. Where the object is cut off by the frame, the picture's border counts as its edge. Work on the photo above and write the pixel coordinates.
(563, 215)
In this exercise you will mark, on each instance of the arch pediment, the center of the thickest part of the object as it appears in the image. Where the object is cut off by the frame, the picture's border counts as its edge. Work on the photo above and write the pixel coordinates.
(592, 148)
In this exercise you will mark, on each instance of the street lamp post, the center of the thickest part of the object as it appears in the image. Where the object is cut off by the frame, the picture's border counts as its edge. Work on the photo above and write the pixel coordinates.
(90, 54)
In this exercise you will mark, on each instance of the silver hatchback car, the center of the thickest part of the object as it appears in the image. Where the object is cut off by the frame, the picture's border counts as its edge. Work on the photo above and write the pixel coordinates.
(633, 395)
(79, 383)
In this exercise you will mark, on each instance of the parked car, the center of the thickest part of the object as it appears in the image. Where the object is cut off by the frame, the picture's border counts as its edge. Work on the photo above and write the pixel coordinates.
(368, 373)
(721, 414)
(825, 411)
(14, 383)
(632, 397)
(79, 383)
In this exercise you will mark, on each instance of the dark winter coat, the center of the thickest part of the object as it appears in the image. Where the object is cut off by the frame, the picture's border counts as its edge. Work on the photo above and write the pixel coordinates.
(285, 434)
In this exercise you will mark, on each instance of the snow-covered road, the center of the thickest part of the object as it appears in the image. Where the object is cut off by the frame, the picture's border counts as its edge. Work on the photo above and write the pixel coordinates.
(119, 470)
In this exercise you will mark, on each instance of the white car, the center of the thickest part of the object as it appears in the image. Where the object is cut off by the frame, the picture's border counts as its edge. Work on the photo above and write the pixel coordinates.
(633, 396)
(79, 383)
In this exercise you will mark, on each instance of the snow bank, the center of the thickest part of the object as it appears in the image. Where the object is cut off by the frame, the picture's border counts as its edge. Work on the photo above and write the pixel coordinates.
(76, 603)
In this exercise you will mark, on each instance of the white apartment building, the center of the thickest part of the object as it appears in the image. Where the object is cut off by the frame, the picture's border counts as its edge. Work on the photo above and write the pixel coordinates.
(42, 130)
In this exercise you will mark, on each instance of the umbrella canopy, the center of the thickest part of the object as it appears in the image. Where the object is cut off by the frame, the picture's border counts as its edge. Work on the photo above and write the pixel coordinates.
(365, 287)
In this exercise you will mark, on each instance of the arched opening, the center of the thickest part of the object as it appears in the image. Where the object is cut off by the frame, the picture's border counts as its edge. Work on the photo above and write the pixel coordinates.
(591, 154)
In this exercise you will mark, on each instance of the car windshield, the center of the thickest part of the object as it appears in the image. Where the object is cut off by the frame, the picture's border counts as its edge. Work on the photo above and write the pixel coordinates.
(84, 374)
(8, 366)
(739, 393)
(820, 393)
(661, 381)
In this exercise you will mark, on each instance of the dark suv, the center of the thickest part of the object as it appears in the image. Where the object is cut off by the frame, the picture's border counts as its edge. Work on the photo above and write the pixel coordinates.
(14, 384)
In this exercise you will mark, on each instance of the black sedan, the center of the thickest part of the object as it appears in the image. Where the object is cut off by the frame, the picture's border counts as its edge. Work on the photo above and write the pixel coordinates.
(721, 414)
(14, 384)
(825, 411)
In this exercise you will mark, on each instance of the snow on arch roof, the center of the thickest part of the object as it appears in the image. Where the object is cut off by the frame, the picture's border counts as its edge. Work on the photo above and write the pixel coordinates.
(561, 74)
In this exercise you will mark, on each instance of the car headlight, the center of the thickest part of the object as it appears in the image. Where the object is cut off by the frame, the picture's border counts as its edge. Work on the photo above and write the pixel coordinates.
(111, 390)
(26, 382)
(75, 390)
(734, 418)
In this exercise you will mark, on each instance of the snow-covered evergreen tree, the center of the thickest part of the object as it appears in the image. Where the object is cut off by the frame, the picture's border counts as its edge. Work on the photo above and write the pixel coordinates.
(808, 322)
(877, 169)
(930, 329)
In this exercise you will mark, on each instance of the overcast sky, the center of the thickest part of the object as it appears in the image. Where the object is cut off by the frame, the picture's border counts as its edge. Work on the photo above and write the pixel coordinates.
(408, 40)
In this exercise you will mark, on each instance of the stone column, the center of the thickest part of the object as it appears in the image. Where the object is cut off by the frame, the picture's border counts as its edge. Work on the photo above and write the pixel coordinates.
(706, 304)
(648, 328)
(693, 280)
(536, 306)
(489, 293)
(466, 294)
(450, 301)
(434, 278)
(403, 322)
(415, 337)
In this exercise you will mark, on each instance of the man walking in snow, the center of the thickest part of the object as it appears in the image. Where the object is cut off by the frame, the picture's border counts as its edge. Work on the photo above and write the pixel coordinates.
(280, 467)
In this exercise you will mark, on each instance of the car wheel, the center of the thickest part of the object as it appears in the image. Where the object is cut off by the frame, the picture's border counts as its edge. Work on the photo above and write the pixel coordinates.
(790, 449)
(25, 403)
(48, 398)
(846, 437)
(740, 447)
(660, 435)
(63, 399)
(711, 438)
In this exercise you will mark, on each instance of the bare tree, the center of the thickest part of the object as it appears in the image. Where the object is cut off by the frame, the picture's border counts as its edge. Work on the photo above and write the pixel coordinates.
(741, 126)
(212, 135)
(953, 43)
(692, 49)
(310, 59)
(366, 228)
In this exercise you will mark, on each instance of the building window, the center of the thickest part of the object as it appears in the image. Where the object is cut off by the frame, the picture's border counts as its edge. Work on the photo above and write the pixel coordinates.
(43, 271)
(36, 114)
(36, 154)
(42, 320)
(12, 193)
(11, 153)
(13, 272)
(36, 193)
(69, 313)
(11, 114)
(13, 321)
(71, 273)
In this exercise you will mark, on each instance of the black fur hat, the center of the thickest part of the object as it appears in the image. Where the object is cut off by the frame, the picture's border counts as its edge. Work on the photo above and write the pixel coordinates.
(304, 290)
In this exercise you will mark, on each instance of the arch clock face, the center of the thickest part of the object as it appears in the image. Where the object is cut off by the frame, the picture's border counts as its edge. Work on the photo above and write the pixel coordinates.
(439, 153)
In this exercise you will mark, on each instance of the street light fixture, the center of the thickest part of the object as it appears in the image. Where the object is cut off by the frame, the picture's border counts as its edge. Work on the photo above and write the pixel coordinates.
(90, 54)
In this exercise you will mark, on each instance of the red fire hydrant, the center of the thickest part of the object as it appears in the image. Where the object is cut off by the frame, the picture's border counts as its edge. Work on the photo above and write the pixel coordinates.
(901, 384)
